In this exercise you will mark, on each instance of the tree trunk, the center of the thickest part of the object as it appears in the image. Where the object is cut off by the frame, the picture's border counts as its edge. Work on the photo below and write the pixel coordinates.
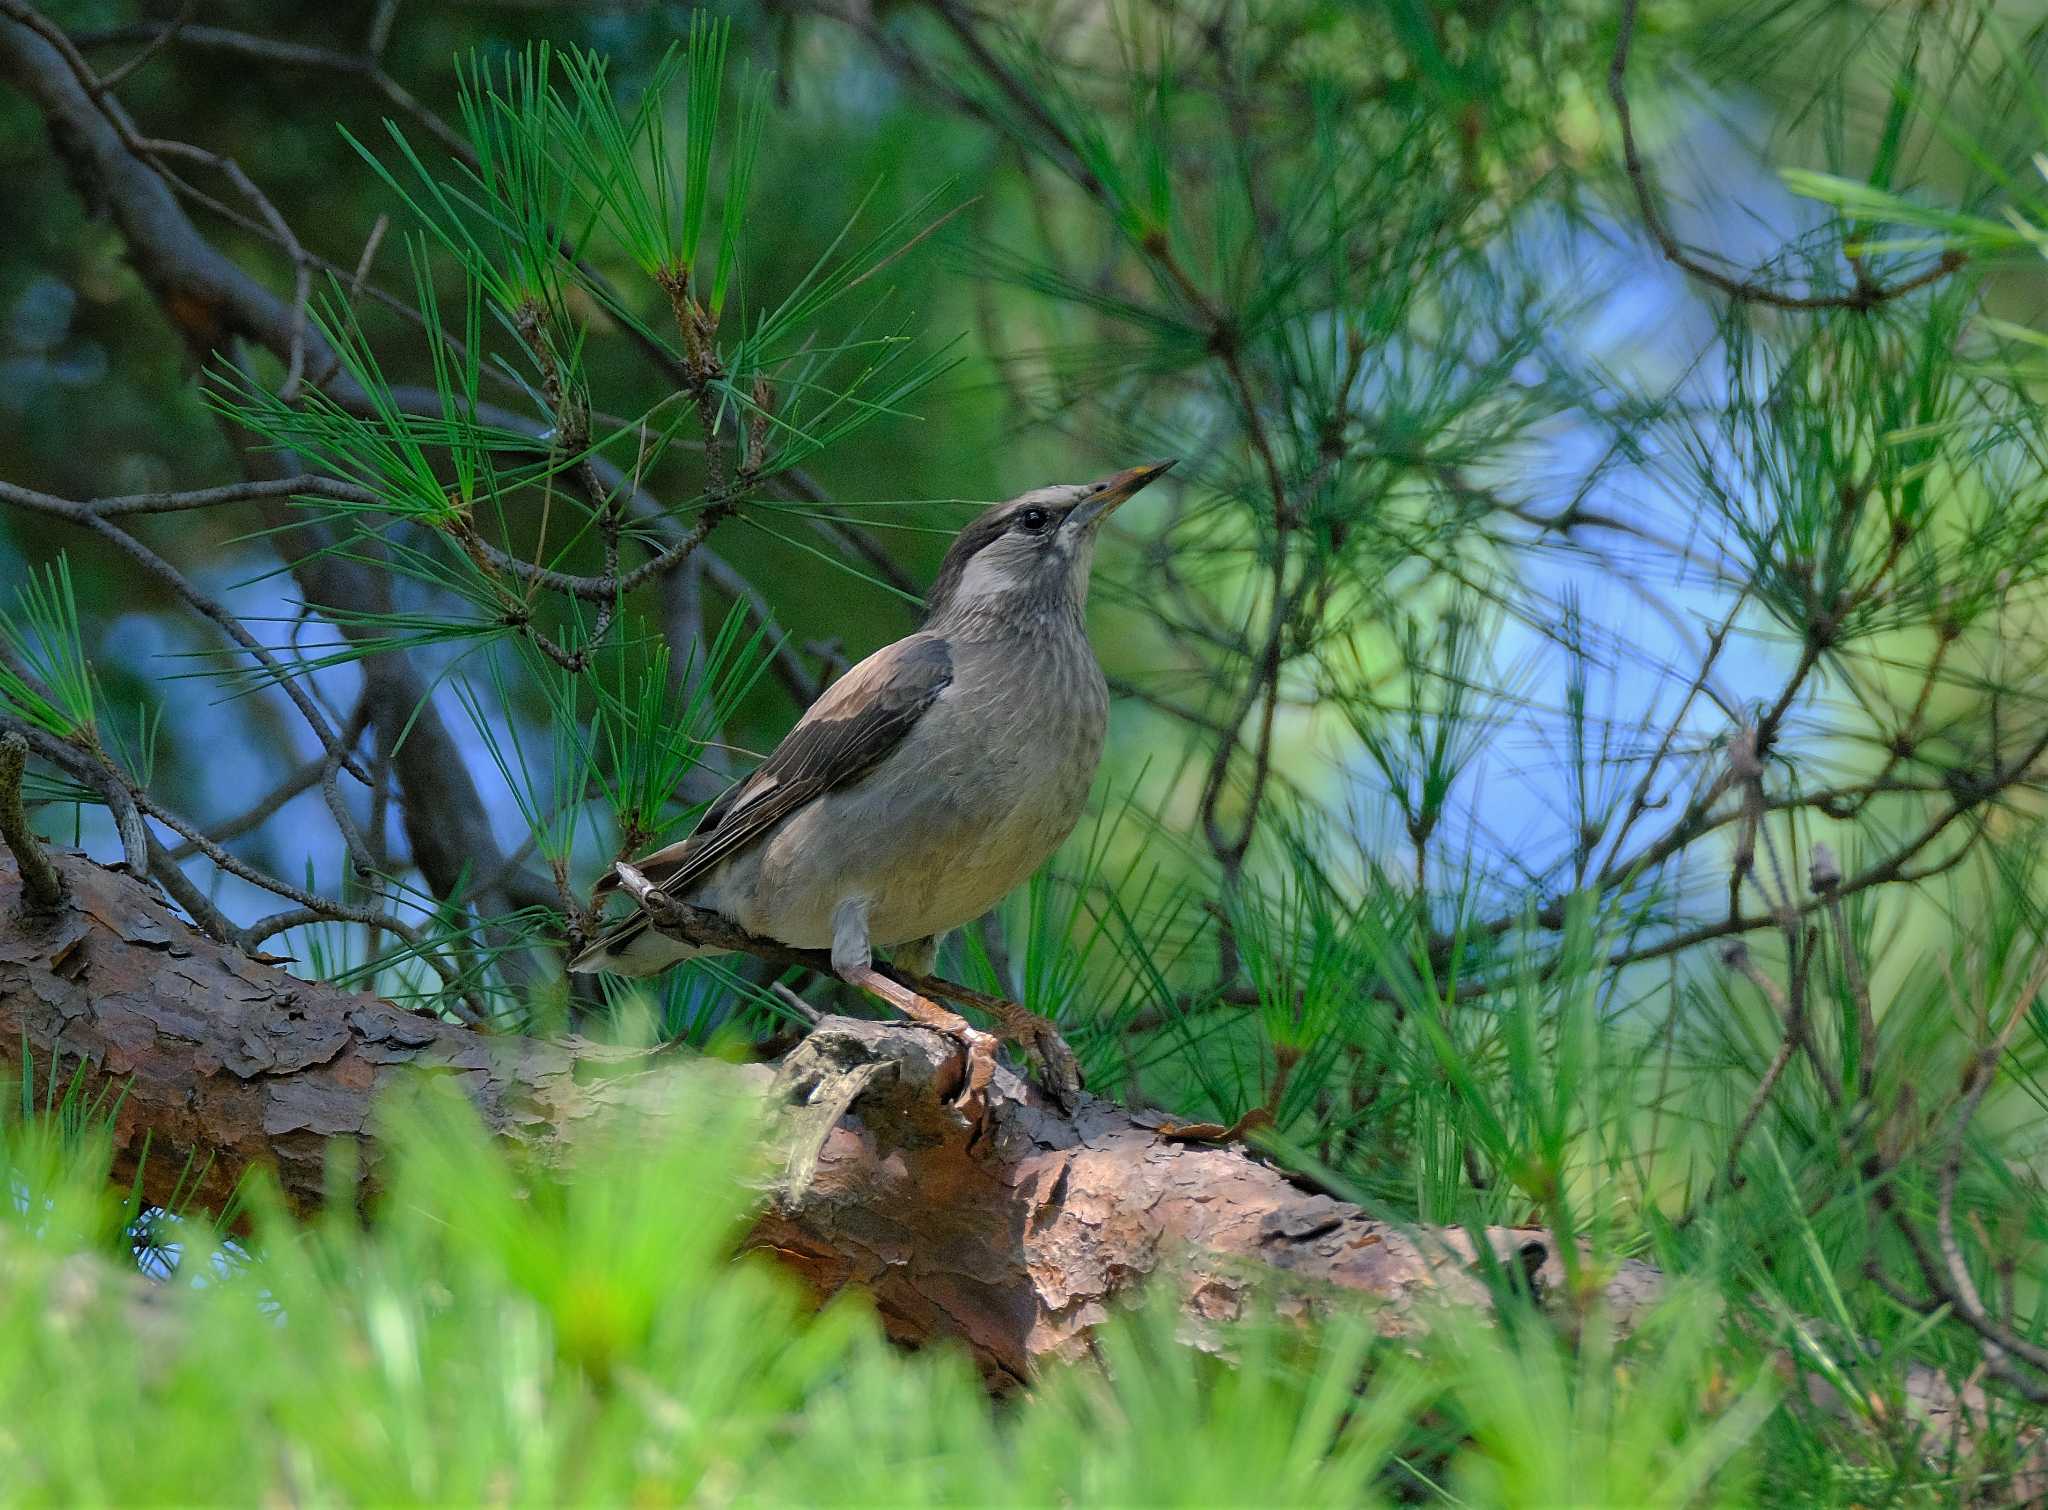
(1014, 1236)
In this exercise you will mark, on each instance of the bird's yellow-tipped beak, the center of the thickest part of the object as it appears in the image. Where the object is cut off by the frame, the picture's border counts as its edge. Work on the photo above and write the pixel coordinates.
(1105, 495)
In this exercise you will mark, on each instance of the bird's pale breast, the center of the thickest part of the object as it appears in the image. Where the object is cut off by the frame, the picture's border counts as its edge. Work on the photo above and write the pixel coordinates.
(973, 801)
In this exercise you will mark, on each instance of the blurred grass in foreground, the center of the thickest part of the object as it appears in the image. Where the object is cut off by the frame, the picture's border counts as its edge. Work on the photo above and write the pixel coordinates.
(494, 1334)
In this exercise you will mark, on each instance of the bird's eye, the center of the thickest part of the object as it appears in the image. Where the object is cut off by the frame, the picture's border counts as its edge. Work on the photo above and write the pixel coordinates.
(1034, 520)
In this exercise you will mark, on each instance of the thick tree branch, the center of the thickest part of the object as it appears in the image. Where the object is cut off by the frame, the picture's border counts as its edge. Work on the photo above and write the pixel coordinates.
(1016, 1243)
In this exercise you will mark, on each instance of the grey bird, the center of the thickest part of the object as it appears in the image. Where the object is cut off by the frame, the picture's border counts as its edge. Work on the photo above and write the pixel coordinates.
(925, 784)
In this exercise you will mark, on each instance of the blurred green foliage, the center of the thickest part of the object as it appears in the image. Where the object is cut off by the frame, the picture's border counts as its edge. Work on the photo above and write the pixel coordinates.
(1519, 614)
(496, 1333)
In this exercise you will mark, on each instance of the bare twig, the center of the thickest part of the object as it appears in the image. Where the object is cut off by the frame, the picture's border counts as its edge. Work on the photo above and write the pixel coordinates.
(150, 49)
(303, 779)
(42, 888)
(369, 257)
(170, 875)
(1865, 295)
(367, 66)
(299, 485)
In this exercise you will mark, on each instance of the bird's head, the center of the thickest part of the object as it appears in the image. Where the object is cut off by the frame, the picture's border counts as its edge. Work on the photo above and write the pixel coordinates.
(1031, 555)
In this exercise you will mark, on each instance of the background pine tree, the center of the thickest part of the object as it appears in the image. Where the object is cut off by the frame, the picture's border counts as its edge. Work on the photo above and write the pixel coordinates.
(1579, 730)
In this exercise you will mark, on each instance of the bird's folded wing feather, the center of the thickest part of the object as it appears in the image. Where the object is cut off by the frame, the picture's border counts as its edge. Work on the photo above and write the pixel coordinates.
(844, 735)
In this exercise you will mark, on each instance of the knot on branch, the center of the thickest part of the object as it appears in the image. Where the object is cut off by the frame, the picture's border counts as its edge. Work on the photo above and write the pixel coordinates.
(903, 1079)
(1824, 873)
(1745, 754)
(1968, 788)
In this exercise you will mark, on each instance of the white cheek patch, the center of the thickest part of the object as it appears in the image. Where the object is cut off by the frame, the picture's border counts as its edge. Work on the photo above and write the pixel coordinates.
(990, 574)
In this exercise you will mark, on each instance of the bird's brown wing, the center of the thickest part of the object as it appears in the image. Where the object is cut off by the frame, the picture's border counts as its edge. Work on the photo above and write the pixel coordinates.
(844, 735)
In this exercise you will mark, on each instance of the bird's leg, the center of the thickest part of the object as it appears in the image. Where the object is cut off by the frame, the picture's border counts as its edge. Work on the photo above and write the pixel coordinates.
(1015, 1023)
(853, 962)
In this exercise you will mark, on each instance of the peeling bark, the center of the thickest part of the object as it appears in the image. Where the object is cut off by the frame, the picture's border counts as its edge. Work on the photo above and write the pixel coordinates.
(1015, 1237)
(1021, 1240)
(220, 1063)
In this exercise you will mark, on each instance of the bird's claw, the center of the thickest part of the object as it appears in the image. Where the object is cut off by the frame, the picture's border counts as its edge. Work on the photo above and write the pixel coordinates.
(977, 1049)
(977, 1070)
(1038, 1035)
(1062, 1069)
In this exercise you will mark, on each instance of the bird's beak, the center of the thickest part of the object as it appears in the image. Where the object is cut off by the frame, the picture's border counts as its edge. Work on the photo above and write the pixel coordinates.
(1105, 495)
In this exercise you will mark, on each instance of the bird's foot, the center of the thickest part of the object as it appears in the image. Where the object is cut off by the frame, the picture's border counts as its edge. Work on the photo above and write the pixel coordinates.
(1020, 1025)
(978, 1049)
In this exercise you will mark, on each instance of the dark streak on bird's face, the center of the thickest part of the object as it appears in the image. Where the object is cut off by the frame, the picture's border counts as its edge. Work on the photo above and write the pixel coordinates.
(1032, 553)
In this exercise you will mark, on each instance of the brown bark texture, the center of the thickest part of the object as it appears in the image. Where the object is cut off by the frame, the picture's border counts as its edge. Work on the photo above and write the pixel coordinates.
(1014, 1235)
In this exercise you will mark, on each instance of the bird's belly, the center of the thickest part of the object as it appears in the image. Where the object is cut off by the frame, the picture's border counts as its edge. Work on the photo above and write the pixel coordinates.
(928, 895)
(985, 809)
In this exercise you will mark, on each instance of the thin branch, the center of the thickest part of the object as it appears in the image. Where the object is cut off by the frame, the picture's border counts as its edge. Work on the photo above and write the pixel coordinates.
(309, 775)
(303, 485)
(156, 44)
(702, 926)
(170, 875)
(367, 66)
(42, 888)
(1864, 296)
